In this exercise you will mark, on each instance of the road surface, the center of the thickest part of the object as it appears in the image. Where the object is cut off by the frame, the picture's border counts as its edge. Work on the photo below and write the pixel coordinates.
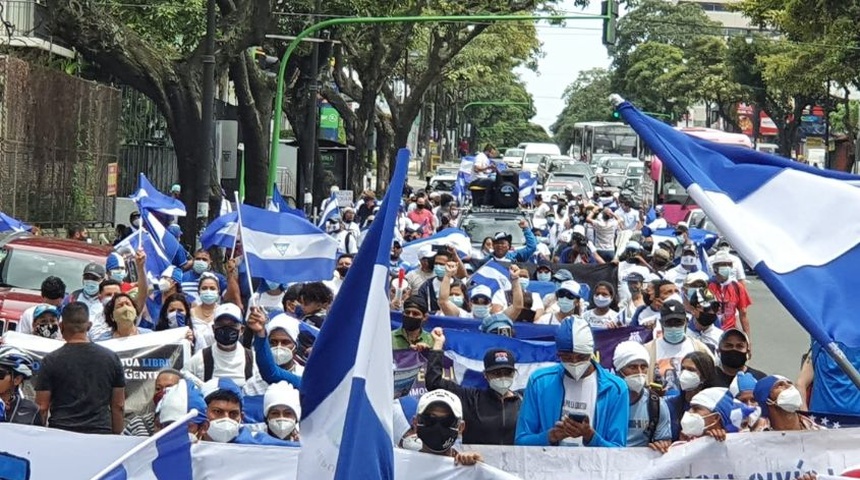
(778, 340)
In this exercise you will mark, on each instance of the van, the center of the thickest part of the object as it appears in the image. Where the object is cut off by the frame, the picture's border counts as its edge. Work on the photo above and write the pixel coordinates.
(543, 148)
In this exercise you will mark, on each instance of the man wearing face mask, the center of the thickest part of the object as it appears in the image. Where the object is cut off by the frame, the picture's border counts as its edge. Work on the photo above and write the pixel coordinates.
(714, 413)
(689, 264)
(575, 402)
(202, 263)
(649, 415)
(89, 294)
(226, 358)
(423, 216)
(667, 351)
(224, 403)
(779, 401)
(491, 413)
(737, 265)
(53, 292)
(341, 269)
(733, 352)
(274, 347)
(634, 283)
(567, 303)
(703, 309)
(732, 295)
(502, 245)
(282, 410)
(655, 294)
(425, 270)
(411, 335)
(437, 425)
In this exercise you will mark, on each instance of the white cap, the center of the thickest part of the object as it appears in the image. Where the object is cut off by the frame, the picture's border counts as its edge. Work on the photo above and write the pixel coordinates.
(229, 310)
(696, 276)
(282, 393)
(579, 229)
(628, 352)
(709, 397)
(441, 396)
(571, 286)
(286, 323)
(481, 290)
(721, 256)
(334, 188)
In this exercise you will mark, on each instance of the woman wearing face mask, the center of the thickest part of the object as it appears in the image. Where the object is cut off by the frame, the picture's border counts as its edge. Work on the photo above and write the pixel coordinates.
(780, 401)
(543, 272)
(175, 314)
(202, 314)
(46, 323)
(282, 410)
(697, 374)
(567, 304)
(602, 316)
(452, 299)
(122, 317)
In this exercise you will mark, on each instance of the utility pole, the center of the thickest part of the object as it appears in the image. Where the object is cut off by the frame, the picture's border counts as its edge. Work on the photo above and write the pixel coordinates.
(208, 120)
(308, 150)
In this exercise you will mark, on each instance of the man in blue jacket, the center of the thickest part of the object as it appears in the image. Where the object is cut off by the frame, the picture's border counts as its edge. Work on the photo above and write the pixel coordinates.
(577, 402)
(502, 245)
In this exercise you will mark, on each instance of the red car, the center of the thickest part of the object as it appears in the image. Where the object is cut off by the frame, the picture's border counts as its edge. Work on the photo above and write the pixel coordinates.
(25, 261)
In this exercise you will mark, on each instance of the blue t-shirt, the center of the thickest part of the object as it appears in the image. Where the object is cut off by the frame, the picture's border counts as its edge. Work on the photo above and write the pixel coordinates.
(638, 422)
(832, 390)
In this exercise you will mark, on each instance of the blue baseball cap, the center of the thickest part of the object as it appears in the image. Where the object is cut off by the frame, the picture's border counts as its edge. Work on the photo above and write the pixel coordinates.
(114, 261)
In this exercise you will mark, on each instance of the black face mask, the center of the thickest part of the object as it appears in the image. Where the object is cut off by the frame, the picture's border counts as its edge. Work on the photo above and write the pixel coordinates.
(226, 336)
(437, 438)
(706, 319)
(342, 271)
(47, 331)
(410, 324)
(646, 297)
(733, 358)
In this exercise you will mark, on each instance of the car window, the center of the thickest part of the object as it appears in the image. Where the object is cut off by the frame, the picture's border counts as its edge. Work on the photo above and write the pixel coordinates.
(534, 157)
(442, 185)
(635, 171)
(480, 227)
(27, 269)
(514, 152)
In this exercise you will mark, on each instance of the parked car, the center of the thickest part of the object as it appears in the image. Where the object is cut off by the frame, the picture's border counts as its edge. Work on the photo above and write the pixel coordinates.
(25, 261)
(566, 165)
(482, 222)
(565, 178)
(513, 157)
(559, 188)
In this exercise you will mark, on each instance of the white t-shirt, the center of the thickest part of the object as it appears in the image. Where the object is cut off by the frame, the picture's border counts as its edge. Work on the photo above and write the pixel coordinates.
(229, 364)
(271, 302)
(203, 333)
(607, 320)
(649, 316)
(482, 162)
(677, 275)
(668, 361)
(257, 386)
(630, 218)
(579, 397)
(604, 233)
(658, 224)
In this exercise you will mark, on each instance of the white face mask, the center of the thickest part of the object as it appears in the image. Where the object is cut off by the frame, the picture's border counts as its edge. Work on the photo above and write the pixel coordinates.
(790, 399)
(282, 427)
(501, 385)
(636, 382)
(602, 301)
(689, 380)
(692, 424)
(576, 370)
(223, 430)
(163, 284)
(283, 355)
(676, 297)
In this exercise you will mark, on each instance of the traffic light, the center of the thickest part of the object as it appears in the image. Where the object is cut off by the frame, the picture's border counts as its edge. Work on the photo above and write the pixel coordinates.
(616, 115)
(609, 11)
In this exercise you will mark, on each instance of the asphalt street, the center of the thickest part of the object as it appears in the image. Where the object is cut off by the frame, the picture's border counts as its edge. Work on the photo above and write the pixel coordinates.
(778, 340)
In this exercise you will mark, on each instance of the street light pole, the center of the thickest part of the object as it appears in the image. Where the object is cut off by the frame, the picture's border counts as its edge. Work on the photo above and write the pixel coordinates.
(207, 123)
(333, 22)
(308, 149)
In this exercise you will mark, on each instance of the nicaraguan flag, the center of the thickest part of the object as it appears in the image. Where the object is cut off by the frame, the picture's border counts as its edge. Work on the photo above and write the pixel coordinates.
(8, 223)
(156, 260)
(528, 187)
(221, 232)
(167, 243)
(164, 456)
(798, 226)
(464, 177)
(348, 384)
(331, 210)
(285, 248)
(278, 204)
(449, 236)
(494, 275)
(151, 199)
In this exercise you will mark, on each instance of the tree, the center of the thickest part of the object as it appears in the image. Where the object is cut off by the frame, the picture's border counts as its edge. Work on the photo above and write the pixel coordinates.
(586, 99)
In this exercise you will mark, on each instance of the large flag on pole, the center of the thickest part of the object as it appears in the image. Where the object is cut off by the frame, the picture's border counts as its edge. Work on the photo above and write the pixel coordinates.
(348, 386)
(150, 198)
(798, 226)
(221, 232)
(278, 204)
(331, 209)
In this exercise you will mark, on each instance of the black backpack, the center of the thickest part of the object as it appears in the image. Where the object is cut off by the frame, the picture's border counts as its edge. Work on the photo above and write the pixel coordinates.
(653, 415)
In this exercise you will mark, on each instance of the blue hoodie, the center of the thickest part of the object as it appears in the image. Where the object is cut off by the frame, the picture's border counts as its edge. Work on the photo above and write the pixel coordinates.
(544, 397)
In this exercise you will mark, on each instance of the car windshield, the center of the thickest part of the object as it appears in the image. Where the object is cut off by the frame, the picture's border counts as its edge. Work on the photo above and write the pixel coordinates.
(27, 269)
(533, 157)
(480, 227)
(617, 165)
(514, 152)
(445, 171)
(635, 171)
(578, 168)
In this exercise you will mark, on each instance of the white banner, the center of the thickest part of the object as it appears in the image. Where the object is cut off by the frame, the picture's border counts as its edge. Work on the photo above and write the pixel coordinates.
(142, 357)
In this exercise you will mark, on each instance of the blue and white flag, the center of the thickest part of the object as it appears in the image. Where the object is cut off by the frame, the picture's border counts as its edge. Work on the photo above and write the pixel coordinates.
(156, 260)
(798, 226)
(278, 204)
(528, 187)
(221, 232)
(348, 384)
(285, 248)
(464, 177)
(331, 210)
(8, 223)
(167, 243)
(450, 236)
(702, 239)
(150, 198)
(493, 274)
(164, 456)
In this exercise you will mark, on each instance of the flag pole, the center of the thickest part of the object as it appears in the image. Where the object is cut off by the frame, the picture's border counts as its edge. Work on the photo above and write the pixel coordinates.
(244, 252)
(181, 423)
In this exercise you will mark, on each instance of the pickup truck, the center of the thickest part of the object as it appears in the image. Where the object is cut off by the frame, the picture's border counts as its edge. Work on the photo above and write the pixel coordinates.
(26, 260)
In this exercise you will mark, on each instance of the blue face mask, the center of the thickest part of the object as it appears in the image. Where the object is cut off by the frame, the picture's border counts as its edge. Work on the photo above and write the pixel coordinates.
(200, 266)
(674, 335)
(524, 283)
(209, 296)
(480, 311)
(299, 311)
(273, 285)
(456, 300)
(91, 287)
(439, 271)
(118, 274)
(566, 304)
(544, 276)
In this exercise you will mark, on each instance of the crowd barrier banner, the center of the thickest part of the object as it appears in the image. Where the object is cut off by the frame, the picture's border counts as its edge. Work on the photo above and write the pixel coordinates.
(142, 356)
(52, 454)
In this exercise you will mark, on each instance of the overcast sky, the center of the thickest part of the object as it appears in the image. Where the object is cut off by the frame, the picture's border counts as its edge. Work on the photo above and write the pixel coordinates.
(568, 50)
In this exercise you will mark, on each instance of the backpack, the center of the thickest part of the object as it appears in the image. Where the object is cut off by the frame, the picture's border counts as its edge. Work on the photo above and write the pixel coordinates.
(209, 364)
(653, 415)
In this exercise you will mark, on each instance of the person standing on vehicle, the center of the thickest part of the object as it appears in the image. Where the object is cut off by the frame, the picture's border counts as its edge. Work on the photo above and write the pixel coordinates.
(491, 413)
(502, 245)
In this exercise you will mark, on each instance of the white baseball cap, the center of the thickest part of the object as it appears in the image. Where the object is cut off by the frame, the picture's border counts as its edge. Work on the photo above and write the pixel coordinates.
(481, 290)
(441, 396)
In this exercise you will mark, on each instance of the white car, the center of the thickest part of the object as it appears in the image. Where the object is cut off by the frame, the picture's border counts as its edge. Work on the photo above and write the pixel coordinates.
(443, 183)
(513, 157)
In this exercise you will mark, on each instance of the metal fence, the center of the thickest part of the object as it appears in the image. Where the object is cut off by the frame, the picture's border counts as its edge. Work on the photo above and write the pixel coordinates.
(57, 135)
(145, 145)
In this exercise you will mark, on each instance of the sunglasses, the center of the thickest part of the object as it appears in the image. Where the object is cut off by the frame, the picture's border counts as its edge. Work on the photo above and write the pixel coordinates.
(449, 421)
(565, 294)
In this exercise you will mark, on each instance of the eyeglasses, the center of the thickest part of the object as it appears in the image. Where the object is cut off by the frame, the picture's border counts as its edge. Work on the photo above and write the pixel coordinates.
(565, 294)
(449, 421)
